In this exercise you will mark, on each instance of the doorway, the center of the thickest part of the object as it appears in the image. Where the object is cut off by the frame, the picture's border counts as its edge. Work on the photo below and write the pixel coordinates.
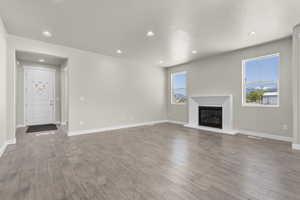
(39, 95)
(42, 89)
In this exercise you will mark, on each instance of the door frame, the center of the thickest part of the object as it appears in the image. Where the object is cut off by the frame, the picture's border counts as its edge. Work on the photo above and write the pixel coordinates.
(29, 68)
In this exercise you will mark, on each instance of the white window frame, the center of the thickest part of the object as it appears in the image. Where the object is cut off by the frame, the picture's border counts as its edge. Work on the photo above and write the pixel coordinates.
(244, 83)
(172, 89)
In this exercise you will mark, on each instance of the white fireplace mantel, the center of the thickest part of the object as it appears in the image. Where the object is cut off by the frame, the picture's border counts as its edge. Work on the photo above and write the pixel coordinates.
(224, 101)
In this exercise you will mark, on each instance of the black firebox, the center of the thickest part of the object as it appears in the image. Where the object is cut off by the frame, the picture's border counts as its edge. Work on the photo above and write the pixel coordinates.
(210, 116)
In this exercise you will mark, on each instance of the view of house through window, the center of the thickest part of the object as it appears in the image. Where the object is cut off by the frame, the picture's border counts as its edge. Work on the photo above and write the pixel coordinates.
(261, 81)
(178, 90)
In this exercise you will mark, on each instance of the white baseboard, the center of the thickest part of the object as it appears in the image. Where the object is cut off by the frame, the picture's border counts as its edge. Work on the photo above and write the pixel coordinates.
(4, 146)
(296, 146)
(230, 132)
(176, 122)
(216, 130)
(266, 135)
(12, 141)
(82, 132)
(243, 132)
(21, 126)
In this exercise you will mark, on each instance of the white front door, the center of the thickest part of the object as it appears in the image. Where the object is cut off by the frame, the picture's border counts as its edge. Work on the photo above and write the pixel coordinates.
(39, 95)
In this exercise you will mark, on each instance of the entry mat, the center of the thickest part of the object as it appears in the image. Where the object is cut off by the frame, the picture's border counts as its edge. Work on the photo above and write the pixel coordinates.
(41, 128)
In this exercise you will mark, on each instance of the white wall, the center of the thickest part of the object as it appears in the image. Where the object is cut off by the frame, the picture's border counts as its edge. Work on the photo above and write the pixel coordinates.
(3, 95)
(296, 87)
(20, 89)
(116, 91)
(222, 75)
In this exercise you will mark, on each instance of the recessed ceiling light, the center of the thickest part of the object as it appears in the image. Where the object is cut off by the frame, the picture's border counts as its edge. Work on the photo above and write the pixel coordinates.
(161, 62)
(252, 33)
(150, 33)
(47, 34)
(119, 51)
(42, 60)
(194, 52)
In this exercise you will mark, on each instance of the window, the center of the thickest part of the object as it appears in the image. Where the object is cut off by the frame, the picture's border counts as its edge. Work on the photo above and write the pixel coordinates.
(178, 88)
(261, 81)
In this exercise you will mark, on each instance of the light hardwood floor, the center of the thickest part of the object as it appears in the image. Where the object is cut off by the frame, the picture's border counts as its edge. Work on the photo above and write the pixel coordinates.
(160, 162)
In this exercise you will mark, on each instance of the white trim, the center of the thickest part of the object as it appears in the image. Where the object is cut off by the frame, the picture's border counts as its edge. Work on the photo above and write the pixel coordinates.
(91, 131)
(38, 68)
(262, 57)
(26, 70)
(296, 146)
(216, 130)
(176, 122)
(266, 135)
(4, 146)
(260, 105)
(244, 104)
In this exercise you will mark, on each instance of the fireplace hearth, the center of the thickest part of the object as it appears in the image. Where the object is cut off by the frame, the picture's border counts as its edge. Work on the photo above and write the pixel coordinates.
(210, 116)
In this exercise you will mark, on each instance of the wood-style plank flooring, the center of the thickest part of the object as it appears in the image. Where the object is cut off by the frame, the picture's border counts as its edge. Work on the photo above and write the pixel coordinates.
(160, 162)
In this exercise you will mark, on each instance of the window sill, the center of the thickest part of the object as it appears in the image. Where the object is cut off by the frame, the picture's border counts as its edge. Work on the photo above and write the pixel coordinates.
(260, 106)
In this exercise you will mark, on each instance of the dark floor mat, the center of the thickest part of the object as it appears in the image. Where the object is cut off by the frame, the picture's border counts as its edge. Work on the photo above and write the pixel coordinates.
(40, 128)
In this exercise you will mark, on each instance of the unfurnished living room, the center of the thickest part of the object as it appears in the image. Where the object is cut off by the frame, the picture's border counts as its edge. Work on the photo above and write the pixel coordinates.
(150, 100)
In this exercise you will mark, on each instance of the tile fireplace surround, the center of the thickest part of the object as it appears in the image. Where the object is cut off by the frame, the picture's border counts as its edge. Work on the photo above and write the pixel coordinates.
(224, 101)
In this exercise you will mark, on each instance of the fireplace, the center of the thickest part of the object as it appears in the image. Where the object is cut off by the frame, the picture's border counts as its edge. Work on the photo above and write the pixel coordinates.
(211, 113)
(210, 116)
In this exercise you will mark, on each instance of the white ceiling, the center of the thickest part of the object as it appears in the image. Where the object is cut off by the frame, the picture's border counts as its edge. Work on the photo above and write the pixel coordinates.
(180, 26)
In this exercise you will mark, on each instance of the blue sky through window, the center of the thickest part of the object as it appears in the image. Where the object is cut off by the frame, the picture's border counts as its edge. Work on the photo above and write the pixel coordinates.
(261, 80)
(179, 81)
(182, 92)
(264, 69)
(179, 88)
